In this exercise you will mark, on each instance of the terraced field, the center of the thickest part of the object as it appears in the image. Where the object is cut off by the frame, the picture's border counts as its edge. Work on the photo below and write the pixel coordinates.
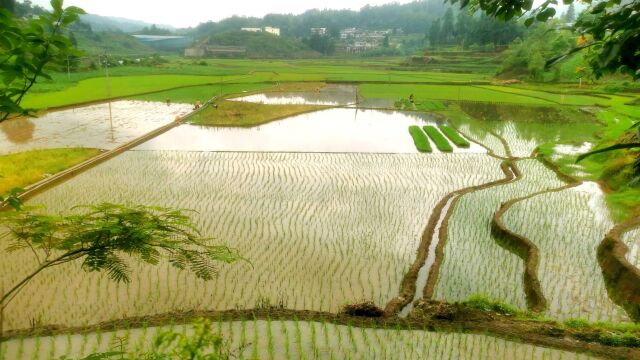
(320, 230)
(465, 270)
(276, 339)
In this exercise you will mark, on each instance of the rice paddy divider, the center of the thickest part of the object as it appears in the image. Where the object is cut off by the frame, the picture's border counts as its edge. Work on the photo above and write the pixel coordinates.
(408, 286)
(505, 327)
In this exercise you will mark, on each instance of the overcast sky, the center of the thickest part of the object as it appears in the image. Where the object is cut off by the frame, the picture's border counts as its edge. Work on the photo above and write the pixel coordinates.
(186, 13)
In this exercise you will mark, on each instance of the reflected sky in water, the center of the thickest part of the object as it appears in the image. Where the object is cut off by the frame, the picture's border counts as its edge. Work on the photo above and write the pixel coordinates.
(88, 126)
(337, 130)
(330, 95)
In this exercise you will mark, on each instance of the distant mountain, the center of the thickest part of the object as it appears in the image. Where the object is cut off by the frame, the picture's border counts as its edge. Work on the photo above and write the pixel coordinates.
(109, 23)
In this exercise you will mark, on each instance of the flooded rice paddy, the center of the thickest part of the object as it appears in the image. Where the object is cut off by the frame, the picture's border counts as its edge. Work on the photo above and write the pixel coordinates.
(330, 95)
(321, 230)
(276, 339)
(88, 126)
(329, 207)
(327, 131)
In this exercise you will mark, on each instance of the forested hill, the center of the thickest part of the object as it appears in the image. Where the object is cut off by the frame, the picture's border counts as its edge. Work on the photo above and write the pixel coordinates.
(414, 17)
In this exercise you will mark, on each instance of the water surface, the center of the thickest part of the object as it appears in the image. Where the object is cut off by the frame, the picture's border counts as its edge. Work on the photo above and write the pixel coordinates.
(336, 130)
(88, 126)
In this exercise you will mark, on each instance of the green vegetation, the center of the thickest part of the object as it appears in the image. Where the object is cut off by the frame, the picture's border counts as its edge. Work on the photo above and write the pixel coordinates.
(420, 139)
(441, 142)
(25, 168)
(203, 93)
(426, 105)
(454, 136)
(480, 302)
(106, 235)
(238, 113)
(27, 48)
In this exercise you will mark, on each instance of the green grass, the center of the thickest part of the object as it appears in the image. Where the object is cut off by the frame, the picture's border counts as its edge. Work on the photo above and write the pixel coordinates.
(447, 92)
(420, 139)
(200, 93)
(95, 89)
(238, 113)
(441, 142)
(454, 136)
(25, 168)
(480, 302)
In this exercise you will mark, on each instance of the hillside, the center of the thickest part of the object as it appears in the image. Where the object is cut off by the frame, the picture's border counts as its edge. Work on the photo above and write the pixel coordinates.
(109, 23)
(262, 45)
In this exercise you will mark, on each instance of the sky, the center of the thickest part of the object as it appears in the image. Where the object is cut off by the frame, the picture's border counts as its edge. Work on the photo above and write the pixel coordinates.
(185, 13)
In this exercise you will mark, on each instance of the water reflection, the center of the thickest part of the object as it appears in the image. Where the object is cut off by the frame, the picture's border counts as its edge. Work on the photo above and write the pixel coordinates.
(330, 95)
(88, 126)
(333, 130)
(19, 130)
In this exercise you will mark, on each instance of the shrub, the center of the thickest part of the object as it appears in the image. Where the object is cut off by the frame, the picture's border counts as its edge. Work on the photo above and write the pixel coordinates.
(441, 142)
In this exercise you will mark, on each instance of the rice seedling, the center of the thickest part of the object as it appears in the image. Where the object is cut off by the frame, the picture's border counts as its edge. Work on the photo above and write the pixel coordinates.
(454, 136)
(441, 142)
(302, 251)
(419, 139)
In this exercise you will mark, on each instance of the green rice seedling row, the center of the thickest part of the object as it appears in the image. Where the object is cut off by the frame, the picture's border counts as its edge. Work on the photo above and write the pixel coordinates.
(440, 141)
(420, 139)
(454, 136)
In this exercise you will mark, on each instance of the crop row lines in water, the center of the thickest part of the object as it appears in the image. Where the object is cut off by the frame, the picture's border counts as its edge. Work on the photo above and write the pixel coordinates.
(282, 338)
(321, 230)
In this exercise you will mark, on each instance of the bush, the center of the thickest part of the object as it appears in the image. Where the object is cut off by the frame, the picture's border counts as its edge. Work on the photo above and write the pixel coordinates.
(454, 136)
(420, 139)
(441, 142)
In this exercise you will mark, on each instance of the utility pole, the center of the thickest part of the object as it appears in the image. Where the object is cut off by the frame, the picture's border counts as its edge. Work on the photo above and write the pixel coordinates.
(108, 85)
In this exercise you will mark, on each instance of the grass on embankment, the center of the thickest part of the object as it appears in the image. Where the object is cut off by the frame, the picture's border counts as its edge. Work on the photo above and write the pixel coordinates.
(420, 139)
(25, 168)
(454, 136)
(238, 113)
(441, 142)
(606, 333)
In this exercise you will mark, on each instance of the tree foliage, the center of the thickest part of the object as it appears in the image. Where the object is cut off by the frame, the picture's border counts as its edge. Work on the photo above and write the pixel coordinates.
(104, 237)
(612, 27)
(27, 48)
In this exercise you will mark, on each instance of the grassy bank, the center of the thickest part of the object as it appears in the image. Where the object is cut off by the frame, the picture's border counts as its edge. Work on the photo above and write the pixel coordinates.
(25, 168)
(237, 113)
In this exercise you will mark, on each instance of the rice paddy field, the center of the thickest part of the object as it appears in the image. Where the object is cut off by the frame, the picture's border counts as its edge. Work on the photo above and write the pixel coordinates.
(330, 207)
(279, 339)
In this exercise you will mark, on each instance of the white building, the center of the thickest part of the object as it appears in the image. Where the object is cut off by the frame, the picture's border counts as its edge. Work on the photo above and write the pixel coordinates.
(319, 31)
(272, 30)
(267, 29)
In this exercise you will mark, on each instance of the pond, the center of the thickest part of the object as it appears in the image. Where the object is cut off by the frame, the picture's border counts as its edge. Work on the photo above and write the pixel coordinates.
(88, 126)
(330, 95)
(336, 130)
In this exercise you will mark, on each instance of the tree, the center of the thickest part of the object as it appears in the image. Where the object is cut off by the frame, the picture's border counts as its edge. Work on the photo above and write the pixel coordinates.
(570, 15)
(434, 33)
(9, 5)
(613, 29)
(102, 236)
(27, 48)
(448, 30)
